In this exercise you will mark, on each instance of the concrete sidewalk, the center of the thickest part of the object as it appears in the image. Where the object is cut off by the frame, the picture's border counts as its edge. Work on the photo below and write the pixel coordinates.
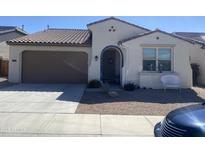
(40, 124)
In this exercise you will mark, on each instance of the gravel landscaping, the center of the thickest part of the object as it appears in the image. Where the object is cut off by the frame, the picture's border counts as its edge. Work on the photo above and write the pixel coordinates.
(138, 102)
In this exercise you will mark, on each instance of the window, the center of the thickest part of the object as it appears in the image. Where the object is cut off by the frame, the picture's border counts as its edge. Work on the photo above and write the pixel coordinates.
(157, 59)
(149, 61)
(164, 59)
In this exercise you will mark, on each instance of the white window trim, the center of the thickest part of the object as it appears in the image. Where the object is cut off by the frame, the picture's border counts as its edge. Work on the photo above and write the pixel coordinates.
(157, 58)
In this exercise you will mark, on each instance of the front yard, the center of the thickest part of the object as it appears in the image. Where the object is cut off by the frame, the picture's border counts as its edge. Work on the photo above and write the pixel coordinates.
(139, 102)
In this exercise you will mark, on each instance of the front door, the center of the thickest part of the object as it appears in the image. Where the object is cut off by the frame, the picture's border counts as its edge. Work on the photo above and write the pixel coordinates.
(111, 66)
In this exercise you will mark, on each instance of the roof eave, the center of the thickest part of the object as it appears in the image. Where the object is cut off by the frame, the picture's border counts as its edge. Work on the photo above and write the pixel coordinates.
(21, 31)
(47, 44)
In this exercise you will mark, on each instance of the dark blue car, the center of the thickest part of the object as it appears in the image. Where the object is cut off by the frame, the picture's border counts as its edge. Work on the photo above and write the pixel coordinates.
(183, 122)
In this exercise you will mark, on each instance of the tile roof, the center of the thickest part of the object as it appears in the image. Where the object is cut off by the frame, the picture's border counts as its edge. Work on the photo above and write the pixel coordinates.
(157, 30)
(193, 36)
(7, 29)
(113, 18)
(71, 37)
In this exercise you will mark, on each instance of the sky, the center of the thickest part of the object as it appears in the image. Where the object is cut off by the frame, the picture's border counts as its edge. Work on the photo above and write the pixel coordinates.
(166, 23)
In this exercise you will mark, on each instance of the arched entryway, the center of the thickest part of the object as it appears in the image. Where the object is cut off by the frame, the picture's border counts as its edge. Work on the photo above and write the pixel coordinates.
(111, 64)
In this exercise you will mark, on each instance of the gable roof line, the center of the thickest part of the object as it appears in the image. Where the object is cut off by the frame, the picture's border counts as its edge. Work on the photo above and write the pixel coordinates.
(151, 32)
(12, 29)
(117, 19)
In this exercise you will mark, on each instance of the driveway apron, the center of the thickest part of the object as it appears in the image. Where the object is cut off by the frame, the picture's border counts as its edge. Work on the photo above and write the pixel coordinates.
(41, 98)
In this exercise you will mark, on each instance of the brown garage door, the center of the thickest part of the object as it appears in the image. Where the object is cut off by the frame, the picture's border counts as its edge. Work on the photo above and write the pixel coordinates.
(54, 67)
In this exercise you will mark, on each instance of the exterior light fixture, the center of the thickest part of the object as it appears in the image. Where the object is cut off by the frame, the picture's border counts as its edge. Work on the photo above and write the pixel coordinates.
(96, 58)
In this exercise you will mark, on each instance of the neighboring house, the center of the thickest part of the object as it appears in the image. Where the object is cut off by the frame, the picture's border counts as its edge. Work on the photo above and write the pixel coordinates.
(110, 49)
(7, 33)
(197, 54)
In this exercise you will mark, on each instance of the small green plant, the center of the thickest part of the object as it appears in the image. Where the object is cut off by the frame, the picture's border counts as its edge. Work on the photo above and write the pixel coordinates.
(94, 84)
(137, 87)
(129, 87)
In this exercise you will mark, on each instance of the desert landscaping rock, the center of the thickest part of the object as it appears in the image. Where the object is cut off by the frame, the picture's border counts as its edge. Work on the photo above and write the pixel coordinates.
(139, 102)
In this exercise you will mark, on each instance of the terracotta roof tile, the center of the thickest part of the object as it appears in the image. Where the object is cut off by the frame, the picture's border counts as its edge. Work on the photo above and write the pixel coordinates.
(53, 36)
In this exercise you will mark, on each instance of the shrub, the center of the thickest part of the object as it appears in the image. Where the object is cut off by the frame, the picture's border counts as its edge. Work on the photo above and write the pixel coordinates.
(129, 87)
(137, 87)
(195, 72)
(94, 84)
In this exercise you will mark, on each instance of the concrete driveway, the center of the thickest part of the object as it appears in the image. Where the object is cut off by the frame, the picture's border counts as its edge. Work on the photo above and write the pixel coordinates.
(47, 110)
(41, 98)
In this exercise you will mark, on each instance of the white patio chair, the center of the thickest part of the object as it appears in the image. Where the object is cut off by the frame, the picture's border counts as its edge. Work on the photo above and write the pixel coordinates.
(171, 81)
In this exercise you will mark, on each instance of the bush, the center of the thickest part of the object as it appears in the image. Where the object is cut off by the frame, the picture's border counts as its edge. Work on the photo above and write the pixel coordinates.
(94, 84)
(129, 87)
(195, 72)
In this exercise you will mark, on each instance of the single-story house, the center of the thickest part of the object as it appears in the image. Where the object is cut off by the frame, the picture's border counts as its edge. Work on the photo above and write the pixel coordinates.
(110, 49)
(7, 33)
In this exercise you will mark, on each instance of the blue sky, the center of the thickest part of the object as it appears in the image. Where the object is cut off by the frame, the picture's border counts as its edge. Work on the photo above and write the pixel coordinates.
(170, 24)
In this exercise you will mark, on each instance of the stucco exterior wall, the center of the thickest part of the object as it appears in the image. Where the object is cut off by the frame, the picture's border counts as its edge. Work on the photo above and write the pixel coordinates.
(134, 60)
(102, 37)
(197, 55)
(4, 48)
(15, 57)
(183, 53)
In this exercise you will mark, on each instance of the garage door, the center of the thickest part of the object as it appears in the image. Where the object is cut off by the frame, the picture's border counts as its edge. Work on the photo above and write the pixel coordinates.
(54, 67)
